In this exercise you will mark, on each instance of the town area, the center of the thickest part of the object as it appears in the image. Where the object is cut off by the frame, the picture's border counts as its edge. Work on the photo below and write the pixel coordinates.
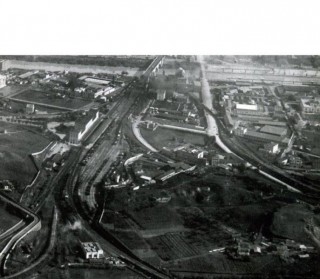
(159, 166)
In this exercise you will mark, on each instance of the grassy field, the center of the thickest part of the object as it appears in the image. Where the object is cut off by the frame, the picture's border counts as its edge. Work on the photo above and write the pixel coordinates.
(15, 148)
(165, 137)
(7, 219)
(291, 220)
(48, 98)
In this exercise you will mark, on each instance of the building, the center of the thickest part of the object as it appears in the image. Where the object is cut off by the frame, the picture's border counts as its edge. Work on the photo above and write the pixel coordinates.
(251, 110)
(82, 127)
(310, 105)
(261, 137)
(272, 130)
(92, 250)
(271, 147)
(3, 81)
(161, 95)
(228, 119)
(30, 108)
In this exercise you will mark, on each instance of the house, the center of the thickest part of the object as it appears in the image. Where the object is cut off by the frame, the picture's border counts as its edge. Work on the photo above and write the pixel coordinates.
(91, 250)
(30, 108)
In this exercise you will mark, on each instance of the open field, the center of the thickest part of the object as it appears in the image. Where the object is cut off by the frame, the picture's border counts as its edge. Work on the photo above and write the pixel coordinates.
(290, 221)
(112, 273)
(158, 217)
(7, 218)
(219, 263)
(165, 137)
(45, 98)
(15, 148)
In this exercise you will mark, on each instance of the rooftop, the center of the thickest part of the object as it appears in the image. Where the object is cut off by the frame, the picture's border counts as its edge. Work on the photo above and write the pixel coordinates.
(246, 107)
(278, 131)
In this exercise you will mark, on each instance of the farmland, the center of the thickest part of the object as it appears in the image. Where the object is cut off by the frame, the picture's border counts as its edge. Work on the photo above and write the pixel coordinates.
(49, 99)
(15, 148)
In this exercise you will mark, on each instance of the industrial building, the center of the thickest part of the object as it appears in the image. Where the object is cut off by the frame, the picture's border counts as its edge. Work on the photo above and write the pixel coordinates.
(82, 127)
(92, 250)
(251, 110)
(272, 130)
(3, 81)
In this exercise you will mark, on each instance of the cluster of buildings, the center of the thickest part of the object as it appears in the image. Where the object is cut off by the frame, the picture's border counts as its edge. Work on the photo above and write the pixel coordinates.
(175, 111)
(310, 105)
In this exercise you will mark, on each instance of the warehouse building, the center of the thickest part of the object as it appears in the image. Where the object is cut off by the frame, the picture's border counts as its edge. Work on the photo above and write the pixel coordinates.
(272, 130)
(82, 127)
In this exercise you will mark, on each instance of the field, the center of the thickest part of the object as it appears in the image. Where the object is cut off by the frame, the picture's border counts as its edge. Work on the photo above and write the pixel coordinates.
(172, 246)
(45, 98)
(166, 137)
(15, 148)
(157, 218)
(219, 263)
(7, 219)
(290, 221)
(113, 273)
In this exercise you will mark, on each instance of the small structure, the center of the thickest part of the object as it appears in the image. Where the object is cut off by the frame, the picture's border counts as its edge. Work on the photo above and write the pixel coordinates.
(271, 148)
(3, 80)
(161, 95)
(30, 108)
(243, 248)
(92, 250)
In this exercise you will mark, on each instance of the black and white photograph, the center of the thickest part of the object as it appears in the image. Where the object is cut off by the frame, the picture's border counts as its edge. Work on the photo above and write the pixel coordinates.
(172, 140)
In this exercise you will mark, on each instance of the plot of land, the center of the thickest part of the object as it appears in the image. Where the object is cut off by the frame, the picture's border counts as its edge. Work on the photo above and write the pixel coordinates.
(159, 217)
(165, 137)
(7, 219)
(15, 148)
(49, 99)
(291, 220)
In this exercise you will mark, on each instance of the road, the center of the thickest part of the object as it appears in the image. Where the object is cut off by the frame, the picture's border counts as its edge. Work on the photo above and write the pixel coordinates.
(34, 225)
(136, 132)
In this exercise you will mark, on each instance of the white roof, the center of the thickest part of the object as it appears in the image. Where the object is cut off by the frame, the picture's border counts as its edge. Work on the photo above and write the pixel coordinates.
(247, 107)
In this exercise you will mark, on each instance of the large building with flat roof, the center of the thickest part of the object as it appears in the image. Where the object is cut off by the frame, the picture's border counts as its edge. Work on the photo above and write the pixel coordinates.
(273, 130)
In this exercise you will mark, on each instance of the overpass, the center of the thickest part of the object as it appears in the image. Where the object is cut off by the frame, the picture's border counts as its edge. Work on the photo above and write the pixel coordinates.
(153, 68)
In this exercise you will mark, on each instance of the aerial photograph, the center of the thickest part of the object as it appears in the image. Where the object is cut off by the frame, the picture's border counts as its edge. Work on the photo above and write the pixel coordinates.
(159, 166)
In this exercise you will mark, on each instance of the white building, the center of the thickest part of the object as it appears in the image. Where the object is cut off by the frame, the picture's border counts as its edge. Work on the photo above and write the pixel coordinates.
(272, 147)
(161, 95)
(82, 127)
(92, 250)
(3, 81)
